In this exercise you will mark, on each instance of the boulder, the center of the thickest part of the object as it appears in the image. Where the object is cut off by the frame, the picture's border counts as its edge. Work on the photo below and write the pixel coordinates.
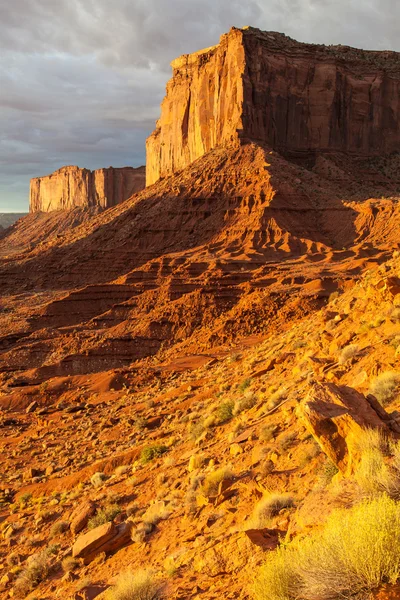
(335, 416)
(81, 515)
(105, 538)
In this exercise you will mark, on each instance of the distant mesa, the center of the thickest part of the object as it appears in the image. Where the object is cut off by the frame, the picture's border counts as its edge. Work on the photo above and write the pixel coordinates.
(71, 187)
(300, 99)
(8, 219)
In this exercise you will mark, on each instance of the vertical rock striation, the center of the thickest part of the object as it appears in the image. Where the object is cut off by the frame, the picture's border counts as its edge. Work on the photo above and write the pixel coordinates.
(72, 187)
(298, 98)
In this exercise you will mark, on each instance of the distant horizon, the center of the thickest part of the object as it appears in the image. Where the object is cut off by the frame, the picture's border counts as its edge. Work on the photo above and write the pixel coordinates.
(90, 93)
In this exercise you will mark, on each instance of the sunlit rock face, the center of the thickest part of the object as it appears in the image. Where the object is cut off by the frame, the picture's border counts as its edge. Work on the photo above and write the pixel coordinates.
(298, 98)
(72, 187)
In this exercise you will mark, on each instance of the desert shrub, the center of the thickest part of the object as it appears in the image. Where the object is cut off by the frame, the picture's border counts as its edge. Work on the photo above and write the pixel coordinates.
(308, 455)
(210, 421)
(139, 533)
(371, 440)
(36, 570)
(97, 479)
(245, 403)
(375, 474)
(196, 430)
(385, 387)
(395, 342)
(138, 585)
(69, 563)
(224, 411)
(25, 498)
(348, 353)
(276, 398)
(196, 461)
(155, 513)
(328, 471)
(266, 433)
(395, 315)
(104, 515)
(277, 579)
(244, 385)
(212, 480)
(286, 440)
(58, 528)
(141, 423)
(148, 453)
(353, 555)
(266, 468)
(267, 508)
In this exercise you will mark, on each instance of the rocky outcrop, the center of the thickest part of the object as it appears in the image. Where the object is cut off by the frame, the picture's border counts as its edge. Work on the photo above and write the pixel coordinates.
(298, 98)
(337, 415)
(72, 187)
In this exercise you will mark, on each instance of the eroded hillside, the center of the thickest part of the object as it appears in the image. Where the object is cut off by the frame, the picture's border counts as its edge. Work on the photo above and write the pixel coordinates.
(194, 380)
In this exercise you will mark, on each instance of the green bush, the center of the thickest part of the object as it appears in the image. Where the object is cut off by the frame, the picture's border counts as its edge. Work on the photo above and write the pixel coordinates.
(224, 411)
(104, 515)
(149, 452)
(355, 553)
(244, 385)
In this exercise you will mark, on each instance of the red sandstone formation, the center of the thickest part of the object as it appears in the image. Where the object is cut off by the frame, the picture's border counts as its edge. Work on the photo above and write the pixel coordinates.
(191, 331)
(72, 187)
(298, 98)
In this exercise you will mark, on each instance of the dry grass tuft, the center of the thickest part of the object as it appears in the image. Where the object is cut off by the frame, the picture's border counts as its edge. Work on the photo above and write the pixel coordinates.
(138, 585)
(355, 553)
(36, 570)
(348, 353)
(267, 508)
(212, 480)
(385, 387)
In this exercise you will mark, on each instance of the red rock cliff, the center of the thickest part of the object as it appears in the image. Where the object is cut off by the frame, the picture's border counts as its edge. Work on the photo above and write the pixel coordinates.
(72, 187)
(298, 98)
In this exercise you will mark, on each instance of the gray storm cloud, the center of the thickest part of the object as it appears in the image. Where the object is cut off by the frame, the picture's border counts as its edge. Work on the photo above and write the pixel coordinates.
(81, 80)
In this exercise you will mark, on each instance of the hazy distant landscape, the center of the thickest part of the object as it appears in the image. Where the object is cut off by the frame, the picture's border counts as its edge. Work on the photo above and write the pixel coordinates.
(7, 219)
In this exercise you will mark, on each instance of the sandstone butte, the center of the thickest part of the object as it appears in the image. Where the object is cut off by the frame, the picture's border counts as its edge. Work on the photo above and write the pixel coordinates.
(298, 98)
(207, 370)
(71, 187)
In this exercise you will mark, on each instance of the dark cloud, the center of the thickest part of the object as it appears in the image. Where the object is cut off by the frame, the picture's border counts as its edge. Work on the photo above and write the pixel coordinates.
(81, 80)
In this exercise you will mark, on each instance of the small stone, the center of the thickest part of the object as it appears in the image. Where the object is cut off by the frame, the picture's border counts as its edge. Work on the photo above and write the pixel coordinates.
(32, 407)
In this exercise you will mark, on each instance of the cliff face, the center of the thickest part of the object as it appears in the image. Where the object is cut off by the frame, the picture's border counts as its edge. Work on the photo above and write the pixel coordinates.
(72, 187)
(202, 108)
(298, 98)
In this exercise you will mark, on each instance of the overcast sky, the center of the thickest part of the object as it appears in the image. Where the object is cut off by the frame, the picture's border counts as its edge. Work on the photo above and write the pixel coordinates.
(81, 80)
